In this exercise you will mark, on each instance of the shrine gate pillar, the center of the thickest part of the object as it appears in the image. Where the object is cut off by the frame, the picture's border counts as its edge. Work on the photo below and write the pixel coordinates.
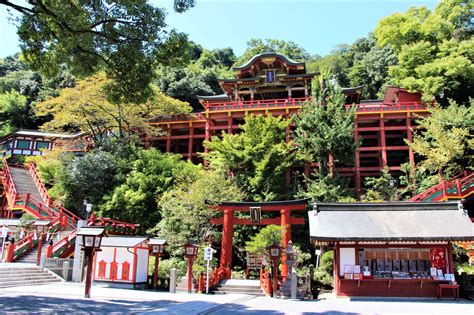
(227, 234)
(285, 238)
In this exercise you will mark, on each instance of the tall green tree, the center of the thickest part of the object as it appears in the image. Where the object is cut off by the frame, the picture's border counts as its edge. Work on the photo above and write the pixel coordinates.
(126, 38)
(382, 188)
(14, 112)
(257, 157)
(445, 139)
(370, 66)
(325, 128)
(151, 175)
(434, 49)
(186, 208)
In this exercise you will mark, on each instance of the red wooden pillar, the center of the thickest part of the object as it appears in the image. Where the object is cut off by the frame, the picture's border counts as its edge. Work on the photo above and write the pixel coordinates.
(10, 252)
(207, 135)
(191, 140)
(336, 269)
(411, 154)
(229, 124)
(357, 183)
(383, 141)
(285, 238)
(168, 143)
(227, 234)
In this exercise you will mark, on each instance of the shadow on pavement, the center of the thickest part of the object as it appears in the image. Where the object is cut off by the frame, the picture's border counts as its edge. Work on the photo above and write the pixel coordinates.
(47, 304)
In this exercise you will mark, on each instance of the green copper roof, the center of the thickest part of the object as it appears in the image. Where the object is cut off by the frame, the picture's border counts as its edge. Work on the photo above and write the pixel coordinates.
(269, 54)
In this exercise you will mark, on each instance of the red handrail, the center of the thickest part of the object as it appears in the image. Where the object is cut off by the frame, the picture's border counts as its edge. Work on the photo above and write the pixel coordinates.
(456, 182)
(26, 241)
(39, 183)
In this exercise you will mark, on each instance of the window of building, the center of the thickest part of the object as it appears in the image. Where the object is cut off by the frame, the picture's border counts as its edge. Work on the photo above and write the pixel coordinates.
(23, 144)
(42, 145)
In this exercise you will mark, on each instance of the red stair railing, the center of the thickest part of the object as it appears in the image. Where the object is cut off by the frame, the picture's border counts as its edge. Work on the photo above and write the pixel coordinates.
(455, 188)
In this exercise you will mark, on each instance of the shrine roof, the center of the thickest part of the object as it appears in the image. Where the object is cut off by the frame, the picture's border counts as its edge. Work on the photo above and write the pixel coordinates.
(38, 133)
(220, 97)
(256, 79)
(122, 241)
(390, 221)
(266, 55)
(262, 204)
(352, 89)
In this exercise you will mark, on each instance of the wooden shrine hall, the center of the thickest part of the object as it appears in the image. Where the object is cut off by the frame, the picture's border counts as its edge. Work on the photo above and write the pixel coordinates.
(255, 210)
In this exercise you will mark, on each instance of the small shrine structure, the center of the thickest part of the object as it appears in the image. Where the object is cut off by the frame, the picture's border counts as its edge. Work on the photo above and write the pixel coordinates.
(391, 248)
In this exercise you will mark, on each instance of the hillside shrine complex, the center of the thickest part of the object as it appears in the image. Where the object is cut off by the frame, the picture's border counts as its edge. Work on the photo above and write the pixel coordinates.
(380, 249)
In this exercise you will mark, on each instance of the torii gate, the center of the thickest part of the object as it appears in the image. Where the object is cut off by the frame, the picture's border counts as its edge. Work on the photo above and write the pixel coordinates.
(285, 220)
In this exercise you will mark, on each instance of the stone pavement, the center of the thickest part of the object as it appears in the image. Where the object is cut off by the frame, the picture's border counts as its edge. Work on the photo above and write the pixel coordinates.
(68, 298)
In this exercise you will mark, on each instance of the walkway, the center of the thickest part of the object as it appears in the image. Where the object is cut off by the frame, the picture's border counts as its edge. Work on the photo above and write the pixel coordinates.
(68, 298)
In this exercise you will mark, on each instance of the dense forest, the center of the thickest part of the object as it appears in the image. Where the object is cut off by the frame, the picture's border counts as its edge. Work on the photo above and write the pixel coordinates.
(420, 50)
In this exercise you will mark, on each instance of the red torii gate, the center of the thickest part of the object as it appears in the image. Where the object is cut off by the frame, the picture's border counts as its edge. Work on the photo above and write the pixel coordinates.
(285, 220)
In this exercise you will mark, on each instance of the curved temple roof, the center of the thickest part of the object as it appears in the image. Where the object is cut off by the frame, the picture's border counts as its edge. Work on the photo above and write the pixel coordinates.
(269, 54)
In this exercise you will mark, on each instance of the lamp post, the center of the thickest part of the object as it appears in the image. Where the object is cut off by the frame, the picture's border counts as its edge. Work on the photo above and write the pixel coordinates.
(274, 251)
(41, 228)
(88, 207)
(157, 249)
(190, 253)
(91, 240)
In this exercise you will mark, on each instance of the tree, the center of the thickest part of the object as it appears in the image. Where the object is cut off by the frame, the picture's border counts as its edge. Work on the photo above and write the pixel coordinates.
(186, 208)
(445, 139)
(415, 180)
(86, 108)
(200, 77)
(267, 236)
(336, 64)
(257, 46)
(151, 175)
(125, 37)
(257, 157)
(383, 188)
(370, 66)
(325, 134)
(14, 112)
(325, 127)
(434, 49)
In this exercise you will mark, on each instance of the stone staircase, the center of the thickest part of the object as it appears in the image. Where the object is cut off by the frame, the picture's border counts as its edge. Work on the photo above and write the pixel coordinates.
(24, 183)
(251, 287)
(14, 275)
(30, 257)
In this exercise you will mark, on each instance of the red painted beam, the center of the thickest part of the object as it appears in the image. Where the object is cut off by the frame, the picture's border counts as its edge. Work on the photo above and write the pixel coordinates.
(269, 221)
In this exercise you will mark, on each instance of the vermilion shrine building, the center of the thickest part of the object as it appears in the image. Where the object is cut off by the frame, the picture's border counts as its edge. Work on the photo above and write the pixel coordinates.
(271, 83)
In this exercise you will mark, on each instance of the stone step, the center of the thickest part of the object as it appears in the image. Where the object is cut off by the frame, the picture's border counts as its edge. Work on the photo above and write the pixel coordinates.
(26, 277)
(27, 282)
(237, 286)
(16, 271)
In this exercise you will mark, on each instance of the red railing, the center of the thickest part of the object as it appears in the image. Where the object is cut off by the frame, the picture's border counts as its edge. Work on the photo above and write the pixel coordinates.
(285, 102)
(378, 107)
(455, 188)
(39, 183)
(23, 246)
(215, 277)
(8, 185)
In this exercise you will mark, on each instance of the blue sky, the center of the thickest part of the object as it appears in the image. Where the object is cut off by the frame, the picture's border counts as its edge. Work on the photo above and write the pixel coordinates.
(315, 25)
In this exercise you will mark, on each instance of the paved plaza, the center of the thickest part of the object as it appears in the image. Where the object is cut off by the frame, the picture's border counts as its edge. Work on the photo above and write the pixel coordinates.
(68, 298)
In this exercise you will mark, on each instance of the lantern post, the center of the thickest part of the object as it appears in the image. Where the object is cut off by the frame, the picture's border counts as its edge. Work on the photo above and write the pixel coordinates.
(91, 240)
(157, 249)
(274, 251)
(190, 253)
